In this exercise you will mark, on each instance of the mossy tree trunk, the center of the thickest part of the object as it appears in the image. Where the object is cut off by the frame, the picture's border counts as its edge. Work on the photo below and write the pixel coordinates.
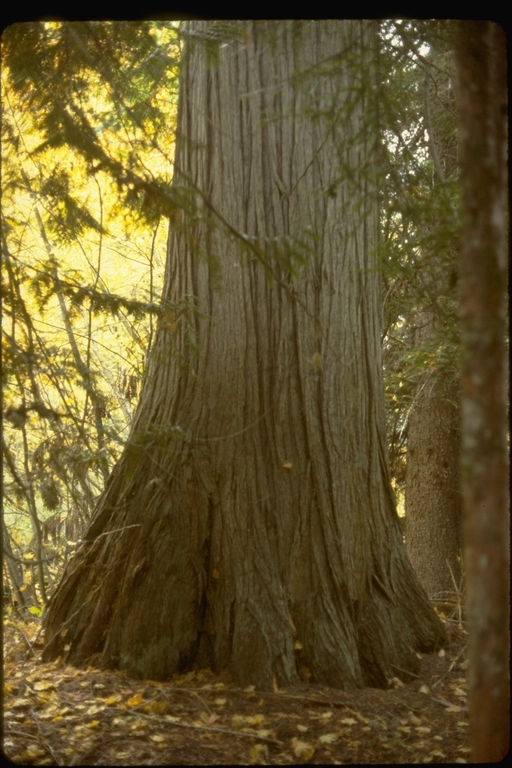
(250, 523)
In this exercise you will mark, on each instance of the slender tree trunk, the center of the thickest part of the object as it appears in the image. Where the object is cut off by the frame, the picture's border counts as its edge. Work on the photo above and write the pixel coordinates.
(433, 500)
(483, 106)
(250, 524)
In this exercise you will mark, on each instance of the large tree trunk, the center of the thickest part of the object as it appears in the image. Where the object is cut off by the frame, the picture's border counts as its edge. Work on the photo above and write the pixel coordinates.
(250, 523)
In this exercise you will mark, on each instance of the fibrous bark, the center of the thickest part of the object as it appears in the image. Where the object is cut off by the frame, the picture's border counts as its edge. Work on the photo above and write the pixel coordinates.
(250, 523)
(432, 493)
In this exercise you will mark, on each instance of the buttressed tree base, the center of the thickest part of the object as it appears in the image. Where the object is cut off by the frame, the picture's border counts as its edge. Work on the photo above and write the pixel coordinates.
(250, 523)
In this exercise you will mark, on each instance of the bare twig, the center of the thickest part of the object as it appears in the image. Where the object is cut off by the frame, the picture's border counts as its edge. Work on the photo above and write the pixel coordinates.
(41, 739)
(449, 704)
(450, 667)
(226, 731)
(406, 672)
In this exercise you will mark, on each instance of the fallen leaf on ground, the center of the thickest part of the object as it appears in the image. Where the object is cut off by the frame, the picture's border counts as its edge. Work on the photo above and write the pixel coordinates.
(135, 700)
(328, 738)
(43, 685)
(303, 749)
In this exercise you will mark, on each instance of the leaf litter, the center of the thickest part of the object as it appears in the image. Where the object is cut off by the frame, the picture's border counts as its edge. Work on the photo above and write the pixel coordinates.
(55, 714)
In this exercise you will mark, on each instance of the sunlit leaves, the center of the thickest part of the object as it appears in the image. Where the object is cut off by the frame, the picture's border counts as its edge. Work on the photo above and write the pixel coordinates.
(105, 89)
(88, 115)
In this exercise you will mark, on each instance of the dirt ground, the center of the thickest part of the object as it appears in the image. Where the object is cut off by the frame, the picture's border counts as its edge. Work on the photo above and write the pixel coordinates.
(58, 715)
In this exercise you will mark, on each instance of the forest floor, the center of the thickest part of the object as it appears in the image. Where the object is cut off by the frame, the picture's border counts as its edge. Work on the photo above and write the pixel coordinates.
(58, 715)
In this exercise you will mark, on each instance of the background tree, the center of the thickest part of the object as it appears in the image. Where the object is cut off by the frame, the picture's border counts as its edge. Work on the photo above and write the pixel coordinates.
(481, 57)
(250, 521)
(419, 268)
(432, 495)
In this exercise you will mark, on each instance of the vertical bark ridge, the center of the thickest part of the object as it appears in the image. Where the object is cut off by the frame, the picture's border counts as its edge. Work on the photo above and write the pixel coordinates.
(259, 545)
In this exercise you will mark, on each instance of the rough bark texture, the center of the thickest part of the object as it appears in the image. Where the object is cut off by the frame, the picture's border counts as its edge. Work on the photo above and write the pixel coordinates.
(432, 495)
(483, 108)
(433, 500)
(250, 524)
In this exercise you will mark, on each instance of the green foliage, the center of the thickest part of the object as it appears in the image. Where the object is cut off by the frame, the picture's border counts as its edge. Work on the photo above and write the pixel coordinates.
(420, 220)
(82, 106)
(107, 90)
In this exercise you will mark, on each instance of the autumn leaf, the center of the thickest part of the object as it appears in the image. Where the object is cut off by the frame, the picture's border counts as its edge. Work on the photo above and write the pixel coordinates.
(43, 685)
(302, 749)
(20, 703)
(209, 718)
(155, 707)
(80, 697)
(94, 710)
(257, 753)
(237, 721)
(255, 720)
(118, 721)
(135, 700)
